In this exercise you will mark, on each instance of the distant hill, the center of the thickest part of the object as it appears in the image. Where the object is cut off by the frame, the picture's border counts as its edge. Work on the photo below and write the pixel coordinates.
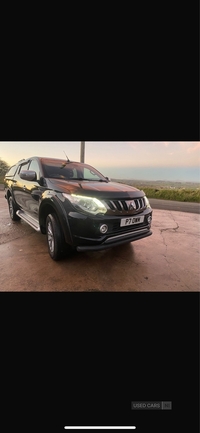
(178, 191)
(159, 183)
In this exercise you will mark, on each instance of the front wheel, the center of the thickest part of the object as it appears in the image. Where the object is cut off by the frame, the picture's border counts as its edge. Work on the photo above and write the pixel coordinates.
(12, 210)
(55, 241)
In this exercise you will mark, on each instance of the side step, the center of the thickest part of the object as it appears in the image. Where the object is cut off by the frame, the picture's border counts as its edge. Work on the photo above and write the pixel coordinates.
(29, 219)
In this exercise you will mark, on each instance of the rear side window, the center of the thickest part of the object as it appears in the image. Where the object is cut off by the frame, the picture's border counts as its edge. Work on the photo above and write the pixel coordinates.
(12, 171)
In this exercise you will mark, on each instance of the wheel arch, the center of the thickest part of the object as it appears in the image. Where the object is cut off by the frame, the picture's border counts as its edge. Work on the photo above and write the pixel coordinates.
(48, 207)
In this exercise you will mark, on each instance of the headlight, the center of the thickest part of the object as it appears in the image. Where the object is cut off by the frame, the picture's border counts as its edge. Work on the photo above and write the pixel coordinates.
(87, 204)
(147, 202)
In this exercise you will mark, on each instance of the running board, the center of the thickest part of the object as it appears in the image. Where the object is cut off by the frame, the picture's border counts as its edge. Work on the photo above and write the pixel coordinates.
(29, 220)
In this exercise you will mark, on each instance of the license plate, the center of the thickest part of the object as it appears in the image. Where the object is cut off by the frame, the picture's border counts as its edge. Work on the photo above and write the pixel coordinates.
(131, 221)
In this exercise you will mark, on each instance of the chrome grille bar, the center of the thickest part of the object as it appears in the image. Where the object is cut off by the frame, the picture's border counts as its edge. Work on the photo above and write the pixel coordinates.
(123, 205)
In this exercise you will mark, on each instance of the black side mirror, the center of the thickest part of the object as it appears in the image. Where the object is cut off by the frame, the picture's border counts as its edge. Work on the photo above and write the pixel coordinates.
(108, 179)
(28, 175)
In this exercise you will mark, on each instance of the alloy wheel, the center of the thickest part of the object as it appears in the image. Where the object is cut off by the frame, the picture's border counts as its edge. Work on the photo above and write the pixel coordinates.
(50, 237)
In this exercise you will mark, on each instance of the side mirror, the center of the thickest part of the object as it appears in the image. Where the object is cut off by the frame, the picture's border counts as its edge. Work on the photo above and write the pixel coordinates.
(108, 179)
(28, 175)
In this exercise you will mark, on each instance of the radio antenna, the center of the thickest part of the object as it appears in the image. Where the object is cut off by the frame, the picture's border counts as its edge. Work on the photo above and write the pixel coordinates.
(66, 156)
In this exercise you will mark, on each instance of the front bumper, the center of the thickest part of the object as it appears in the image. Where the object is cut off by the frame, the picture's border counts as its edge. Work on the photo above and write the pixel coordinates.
(115, 241)
(87, 237)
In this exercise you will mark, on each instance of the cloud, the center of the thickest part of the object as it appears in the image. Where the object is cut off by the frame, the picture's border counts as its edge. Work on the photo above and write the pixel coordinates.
(193, 148)
(133, 145)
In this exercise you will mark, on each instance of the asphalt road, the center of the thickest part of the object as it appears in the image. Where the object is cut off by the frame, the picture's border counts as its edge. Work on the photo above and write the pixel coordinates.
(165, 262)
(175, 205)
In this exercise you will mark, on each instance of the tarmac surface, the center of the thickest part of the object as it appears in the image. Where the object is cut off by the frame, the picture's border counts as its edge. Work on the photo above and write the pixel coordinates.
(168, 261)
(175, 205)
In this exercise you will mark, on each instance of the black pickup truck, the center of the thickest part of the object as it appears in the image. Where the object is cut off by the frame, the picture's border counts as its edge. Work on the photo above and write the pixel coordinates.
(75, 205)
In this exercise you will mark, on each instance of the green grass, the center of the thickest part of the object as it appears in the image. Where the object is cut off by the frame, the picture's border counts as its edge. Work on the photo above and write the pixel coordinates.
(191, 194)
(182, 194)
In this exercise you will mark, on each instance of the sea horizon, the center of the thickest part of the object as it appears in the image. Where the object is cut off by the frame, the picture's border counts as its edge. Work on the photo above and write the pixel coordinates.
(156, 174)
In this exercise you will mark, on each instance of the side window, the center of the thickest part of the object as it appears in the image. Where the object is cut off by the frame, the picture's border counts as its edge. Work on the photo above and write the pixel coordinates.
(35, 167)
(12, 171)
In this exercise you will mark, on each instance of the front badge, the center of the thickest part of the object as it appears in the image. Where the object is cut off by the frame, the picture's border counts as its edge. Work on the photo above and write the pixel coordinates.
(132, 206)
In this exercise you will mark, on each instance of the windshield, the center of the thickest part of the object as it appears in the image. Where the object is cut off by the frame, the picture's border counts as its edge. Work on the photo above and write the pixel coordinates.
(71, 171)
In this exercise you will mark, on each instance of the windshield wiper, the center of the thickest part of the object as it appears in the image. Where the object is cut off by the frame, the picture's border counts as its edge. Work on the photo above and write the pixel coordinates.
(75, 178)
(81, 178)
(95, 180)
(87, 180)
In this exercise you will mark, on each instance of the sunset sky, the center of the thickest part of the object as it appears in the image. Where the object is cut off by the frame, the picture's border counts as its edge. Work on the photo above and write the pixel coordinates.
(121, 159)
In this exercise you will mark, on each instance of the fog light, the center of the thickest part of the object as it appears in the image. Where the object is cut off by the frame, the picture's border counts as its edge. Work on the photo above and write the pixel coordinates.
(104, 229)
(149, 219)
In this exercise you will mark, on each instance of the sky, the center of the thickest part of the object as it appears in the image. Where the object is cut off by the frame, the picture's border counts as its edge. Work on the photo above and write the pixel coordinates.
(163, 160)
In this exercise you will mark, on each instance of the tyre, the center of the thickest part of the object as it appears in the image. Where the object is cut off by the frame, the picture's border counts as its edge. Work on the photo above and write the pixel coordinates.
(12, 210)
(56, 244)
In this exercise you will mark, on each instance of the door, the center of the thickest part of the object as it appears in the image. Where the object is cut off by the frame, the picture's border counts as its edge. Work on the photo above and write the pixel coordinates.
(33, 191)
(19, 187)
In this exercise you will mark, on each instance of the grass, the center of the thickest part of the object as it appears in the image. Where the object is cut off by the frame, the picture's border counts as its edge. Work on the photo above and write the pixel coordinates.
(183, 194)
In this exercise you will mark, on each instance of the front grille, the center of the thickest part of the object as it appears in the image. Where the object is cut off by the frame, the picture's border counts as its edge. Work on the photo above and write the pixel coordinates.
(135, 205)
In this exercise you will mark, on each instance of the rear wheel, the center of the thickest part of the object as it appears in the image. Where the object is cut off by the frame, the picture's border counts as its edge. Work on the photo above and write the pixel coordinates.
(12, 210)
(56, 244)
